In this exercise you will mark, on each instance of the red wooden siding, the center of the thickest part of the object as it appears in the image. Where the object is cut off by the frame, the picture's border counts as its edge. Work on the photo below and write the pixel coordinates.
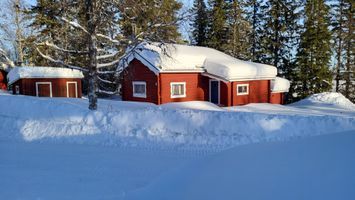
(158, 87)
(59, 86)
(136, 71)
(196, 87)
(258, 92)
(225, 93)
(277, 98)
(3, 82)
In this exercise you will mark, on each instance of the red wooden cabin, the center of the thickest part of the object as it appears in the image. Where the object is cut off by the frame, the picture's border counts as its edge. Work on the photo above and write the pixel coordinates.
(177, 73)
(46, 82)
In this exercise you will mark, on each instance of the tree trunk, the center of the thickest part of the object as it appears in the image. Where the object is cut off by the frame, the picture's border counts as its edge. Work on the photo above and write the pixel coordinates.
(19, 46)
(90, 17)
(340, 48)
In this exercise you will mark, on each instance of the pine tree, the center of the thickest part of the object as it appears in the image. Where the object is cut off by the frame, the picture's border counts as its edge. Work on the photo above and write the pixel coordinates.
(313, 56)
(238, 30)
(217, 29)
(199, 23)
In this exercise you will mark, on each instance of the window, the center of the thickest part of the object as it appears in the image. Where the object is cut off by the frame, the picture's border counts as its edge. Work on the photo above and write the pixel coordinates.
(242, 89)
(139, 89)
(178, 89)
(17, 89)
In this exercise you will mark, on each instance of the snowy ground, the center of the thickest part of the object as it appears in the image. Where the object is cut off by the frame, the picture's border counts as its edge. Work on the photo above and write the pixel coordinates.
(57, 149)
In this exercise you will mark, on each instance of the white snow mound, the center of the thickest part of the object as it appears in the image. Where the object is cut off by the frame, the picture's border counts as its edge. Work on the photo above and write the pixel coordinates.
(332, 98)
(280, 85)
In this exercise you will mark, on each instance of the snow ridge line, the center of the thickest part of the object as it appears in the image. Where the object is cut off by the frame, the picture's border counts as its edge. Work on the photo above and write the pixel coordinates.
(156, 127)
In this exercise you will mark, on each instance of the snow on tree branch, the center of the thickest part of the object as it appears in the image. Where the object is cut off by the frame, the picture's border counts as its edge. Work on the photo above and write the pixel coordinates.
(60, 62)
(105, 81)
(48, 44)
(5, 62)
(75, 25)
(108, 38)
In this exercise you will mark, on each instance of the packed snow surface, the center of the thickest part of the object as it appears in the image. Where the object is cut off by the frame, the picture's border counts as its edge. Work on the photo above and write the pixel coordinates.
(42, 72)
(331, 98)
(280, 85)
(55, 148)
(314, 168)
(175, 57)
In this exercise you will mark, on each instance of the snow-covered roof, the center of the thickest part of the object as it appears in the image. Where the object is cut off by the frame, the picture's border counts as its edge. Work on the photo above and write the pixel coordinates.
(42, 72)
(185, 58)
(280, 85)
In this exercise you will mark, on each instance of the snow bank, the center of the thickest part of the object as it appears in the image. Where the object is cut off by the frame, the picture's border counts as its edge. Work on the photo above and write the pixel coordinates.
(280, 85)
(196, 105)
(174, 57)
(42, 72)
(62, 120)
(331, 98)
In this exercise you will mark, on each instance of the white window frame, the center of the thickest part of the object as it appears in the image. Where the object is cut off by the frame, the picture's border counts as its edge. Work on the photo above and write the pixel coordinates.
(139, 95)
(242, 93)
(76, 88)
(219, 90)
(44, 83)
(17, 89)
(171, 89)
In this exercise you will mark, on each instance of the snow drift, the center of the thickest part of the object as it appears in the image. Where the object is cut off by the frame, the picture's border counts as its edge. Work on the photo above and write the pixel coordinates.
(66, 120)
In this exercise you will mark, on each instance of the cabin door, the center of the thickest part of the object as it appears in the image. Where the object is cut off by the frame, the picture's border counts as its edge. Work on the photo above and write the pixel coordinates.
(214, 91)
(44, 89)
(72, 89)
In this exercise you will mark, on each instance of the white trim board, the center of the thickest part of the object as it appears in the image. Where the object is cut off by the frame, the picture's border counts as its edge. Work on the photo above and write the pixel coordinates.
(243, 93)
(171, 90)
(76, 88)
(44, 83)
(138, 95)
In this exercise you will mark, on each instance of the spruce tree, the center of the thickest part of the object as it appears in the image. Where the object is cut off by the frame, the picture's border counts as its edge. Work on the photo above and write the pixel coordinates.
(349, 48)
(217, 29)
(343, 40)
(255, 18)
(313, 56)
(238, 29)
(199, 23)
(159, 19)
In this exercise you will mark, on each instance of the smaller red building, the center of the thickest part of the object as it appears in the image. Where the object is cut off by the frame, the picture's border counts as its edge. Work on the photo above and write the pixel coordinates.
(176, 73)
(3, 81)
(46, 81)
